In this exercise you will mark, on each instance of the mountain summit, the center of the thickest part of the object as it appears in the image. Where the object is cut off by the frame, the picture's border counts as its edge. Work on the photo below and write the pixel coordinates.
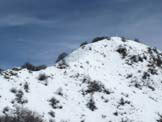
(108, 80)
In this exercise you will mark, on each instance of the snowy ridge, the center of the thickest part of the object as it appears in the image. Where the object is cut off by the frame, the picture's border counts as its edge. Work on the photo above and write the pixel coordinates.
(111, 80)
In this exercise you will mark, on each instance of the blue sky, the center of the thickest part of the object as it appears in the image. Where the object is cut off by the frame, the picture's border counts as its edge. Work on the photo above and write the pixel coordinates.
(37, 31)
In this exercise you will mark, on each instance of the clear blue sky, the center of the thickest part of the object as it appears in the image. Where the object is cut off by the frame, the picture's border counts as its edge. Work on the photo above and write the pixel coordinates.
(38, 30)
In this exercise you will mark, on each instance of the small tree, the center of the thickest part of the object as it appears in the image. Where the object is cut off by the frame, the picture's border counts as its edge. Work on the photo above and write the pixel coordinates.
(83, 43)
(26, 87)
(136, 40)
(61, 56)
(123, 39)
(1, 70)
(31, 67)
(123, 51)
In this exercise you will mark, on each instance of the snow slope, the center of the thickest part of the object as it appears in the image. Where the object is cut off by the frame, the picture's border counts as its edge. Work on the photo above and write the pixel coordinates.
(107, 81)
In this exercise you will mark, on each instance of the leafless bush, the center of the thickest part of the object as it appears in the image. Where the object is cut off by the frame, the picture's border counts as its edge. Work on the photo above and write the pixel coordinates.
(21, 115)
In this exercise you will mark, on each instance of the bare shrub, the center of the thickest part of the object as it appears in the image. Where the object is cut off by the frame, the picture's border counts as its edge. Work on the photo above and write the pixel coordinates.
(160, 118)
(91, 105)
(83, 44)
(31, 67)
(42, 77)
(21, 115)
(100, 38)
(123, 51)
(55, 103)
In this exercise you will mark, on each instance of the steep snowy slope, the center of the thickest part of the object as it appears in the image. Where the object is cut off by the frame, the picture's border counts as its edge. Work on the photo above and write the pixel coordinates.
(111, 80)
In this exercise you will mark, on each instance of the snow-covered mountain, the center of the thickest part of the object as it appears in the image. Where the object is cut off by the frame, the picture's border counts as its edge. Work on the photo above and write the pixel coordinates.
(110, 80)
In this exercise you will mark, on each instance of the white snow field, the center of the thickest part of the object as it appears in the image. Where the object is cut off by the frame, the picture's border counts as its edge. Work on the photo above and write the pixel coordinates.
(111, 80)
